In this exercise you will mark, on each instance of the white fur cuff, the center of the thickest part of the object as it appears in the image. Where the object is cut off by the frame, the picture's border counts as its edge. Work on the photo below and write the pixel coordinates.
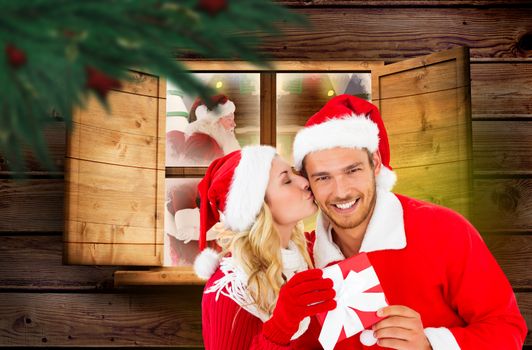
(441, 339)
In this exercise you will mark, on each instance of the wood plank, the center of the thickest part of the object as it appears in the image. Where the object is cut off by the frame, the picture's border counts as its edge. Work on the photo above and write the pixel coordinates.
(113, 200)
(305, 65)
(439, 71)
(35, 263)
(424, 112)
(113, 146)
(161, 276)
(444, 184)
(514, 255)
(501, 89)
(429, 147)
(402, 3)
(169, 317)
(89, 253)
(130, 113)
(491, 33)
(31, 205)
(54, 136)
(501, 147)
(142, 84)
(502, 205)
(524, 300)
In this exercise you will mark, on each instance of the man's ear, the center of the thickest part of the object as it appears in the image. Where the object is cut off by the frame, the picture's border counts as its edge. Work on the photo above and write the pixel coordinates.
(377, 162)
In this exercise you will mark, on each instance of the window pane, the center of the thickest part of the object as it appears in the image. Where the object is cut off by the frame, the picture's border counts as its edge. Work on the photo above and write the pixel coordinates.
(181, 222)
(193, 142)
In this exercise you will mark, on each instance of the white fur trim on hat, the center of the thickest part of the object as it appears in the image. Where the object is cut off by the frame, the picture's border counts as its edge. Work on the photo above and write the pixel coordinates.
(206, 263)
(221, 110)
(353, 131)
(248, 188)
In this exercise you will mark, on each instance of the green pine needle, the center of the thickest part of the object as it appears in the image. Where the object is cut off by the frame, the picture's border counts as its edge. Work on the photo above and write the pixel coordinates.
(61, 38)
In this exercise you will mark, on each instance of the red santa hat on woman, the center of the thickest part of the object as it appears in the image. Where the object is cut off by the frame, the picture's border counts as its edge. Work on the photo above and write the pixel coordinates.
(234, 185)
(222, 107)
(350, 122)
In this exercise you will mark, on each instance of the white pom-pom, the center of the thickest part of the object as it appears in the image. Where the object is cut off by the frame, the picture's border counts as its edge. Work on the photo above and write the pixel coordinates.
(386, 179)
(206, 263)
(367, 338)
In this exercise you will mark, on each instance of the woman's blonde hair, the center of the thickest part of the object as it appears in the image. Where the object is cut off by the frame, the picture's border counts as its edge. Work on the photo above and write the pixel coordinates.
(258, 252)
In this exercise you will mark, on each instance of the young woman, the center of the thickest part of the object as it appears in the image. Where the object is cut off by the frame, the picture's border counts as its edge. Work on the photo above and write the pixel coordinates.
(262, 292)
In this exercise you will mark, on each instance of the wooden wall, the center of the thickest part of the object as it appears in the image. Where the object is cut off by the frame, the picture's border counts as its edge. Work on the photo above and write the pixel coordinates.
(43, 303)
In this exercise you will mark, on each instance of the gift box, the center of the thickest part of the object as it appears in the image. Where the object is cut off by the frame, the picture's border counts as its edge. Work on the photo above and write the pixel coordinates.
(358, 295)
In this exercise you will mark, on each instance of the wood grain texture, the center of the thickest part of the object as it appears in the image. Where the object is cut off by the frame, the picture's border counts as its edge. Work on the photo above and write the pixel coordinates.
(502, 147)
(392, 34)
(138, 318)
(500, 89)
(114, 179)
(168, 318)
(514, 255)
(33, 262)
(401, 3)
(32, 205)
(502, 205)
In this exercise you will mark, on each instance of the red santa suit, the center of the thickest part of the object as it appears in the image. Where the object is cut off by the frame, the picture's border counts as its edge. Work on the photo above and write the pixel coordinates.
(229, 318)
(205, 139)
(426, 257)
(431, 259)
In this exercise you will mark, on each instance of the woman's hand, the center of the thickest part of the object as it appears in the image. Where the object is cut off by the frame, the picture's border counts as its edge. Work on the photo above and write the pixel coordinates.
(307, 293)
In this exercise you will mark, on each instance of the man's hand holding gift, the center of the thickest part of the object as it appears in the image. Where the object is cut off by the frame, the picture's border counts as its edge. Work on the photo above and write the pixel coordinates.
(362, 307)
(400, 329)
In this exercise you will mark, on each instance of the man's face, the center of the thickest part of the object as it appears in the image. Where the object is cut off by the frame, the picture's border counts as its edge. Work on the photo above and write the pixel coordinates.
(343, 183)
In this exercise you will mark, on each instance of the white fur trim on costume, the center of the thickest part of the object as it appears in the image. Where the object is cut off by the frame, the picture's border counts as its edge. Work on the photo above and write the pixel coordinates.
(386, 230)
(247, 191)
(352, 131)
(203, 113)
(233, 284)
(206, 263)
(441, 339)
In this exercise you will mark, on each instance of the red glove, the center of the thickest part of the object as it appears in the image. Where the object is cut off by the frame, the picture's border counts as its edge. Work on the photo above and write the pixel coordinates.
(305, 294)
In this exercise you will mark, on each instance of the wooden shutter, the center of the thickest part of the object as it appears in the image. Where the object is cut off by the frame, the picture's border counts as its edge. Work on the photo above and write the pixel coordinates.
(114, 174)
(426, 107)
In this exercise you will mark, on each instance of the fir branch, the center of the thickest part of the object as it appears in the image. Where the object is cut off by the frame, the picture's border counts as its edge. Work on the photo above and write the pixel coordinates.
(51, 46)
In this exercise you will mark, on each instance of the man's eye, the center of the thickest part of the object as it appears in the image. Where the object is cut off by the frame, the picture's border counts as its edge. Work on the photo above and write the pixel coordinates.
(288, 182)
(322, 178)
(354, 170)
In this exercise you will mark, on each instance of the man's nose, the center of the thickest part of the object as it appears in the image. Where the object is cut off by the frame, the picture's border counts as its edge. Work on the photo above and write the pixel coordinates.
(342, 186)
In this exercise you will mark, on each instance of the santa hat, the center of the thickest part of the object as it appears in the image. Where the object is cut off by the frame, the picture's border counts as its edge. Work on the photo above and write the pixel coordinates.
(222, 107)
(350, 122)
(234, 185)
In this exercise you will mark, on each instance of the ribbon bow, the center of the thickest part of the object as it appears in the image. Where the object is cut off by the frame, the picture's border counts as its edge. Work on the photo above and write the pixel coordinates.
(349, 295)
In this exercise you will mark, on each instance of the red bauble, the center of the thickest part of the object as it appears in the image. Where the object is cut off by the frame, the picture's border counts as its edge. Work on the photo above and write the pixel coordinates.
(100, 82)
(15, 56)
(213, 7)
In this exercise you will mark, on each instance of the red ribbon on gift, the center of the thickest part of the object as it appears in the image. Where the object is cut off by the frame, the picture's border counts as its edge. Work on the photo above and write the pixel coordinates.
(358, 296)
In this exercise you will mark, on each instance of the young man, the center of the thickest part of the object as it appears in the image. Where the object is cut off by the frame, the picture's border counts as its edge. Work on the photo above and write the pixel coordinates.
(445, 289)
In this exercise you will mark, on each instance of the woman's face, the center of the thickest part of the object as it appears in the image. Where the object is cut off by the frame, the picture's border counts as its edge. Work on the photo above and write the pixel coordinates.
(288, 195)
